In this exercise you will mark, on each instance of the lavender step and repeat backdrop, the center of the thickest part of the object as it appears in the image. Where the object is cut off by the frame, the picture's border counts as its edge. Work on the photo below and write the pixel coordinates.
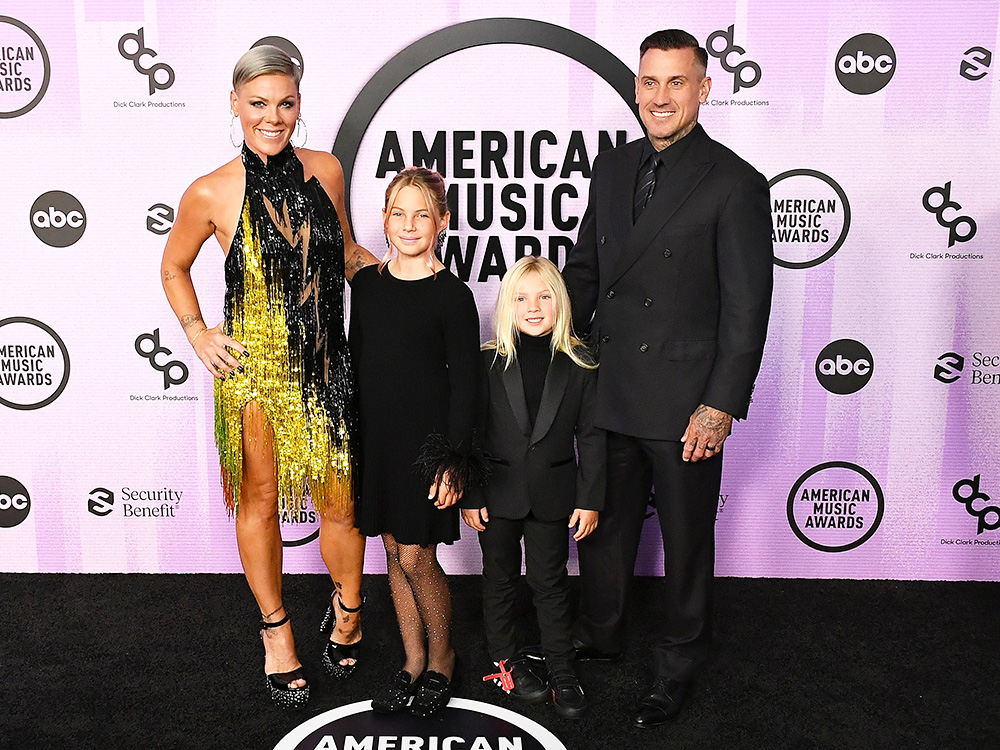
(870, 451)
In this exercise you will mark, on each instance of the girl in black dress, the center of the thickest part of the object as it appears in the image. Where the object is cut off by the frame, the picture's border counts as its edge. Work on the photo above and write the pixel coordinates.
(414, 338)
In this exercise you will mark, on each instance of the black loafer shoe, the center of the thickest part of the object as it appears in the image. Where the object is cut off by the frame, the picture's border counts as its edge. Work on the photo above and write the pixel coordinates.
(590, 653)
(528, 686)
(395, 695)
(433, 694)
(567, 695)
(661, 703)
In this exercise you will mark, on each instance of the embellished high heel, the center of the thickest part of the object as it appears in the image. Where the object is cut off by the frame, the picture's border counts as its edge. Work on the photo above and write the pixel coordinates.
(280, 683)
(334, 652)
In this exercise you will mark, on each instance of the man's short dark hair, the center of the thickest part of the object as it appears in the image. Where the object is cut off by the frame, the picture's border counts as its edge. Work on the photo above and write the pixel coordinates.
(674, 39)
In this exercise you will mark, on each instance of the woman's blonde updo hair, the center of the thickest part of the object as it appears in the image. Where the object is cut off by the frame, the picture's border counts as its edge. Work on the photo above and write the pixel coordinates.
(264, 60)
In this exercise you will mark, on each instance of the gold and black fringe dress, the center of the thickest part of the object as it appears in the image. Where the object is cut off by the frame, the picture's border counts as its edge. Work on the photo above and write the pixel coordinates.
(285, 303)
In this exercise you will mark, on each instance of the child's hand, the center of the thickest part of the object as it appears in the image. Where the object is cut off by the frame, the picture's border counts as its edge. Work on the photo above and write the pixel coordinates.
(476, 518)
(444, 491)
(587, 520)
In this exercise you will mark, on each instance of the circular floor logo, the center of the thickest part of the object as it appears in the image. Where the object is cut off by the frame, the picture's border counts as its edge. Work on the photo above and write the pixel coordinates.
(810, 218)
(844, 366)
(865, 63)
(463, 725)
(15, 503)
(24, 68)
(835, 507)
(58, 218)
(34, 364)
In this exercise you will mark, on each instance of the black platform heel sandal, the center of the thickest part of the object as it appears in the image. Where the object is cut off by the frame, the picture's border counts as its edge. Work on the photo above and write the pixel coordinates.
(334, 652)
(280, 683)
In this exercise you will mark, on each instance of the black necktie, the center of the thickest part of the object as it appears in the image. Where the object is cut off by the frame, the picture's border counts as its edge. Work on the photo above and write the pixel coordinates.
(645, 186)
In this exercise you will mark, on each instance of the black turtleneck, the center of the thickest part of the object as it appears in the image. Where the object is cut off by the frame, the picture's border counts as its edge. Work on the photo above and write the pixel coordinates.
(533, 355)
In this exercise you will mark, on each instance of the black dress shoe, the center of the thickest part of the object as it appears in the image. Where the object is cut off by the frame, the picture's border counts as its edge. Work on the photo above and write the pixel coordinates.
(590, 653)
(395, 695)
(661, 703)
(433, 694)
(567, 695)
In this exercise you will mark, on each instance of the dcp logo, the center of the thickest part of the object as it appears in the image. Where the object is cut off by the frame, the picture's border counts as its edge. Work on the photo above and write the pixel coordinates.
(949, 367)
(166, 80)
(865, 64)
(844, 366)
(101, 501)
(937, 200)
(167, 368)
(745, 75)
(159, 218)
(58, 218)
(976, 63)
(966, 491)
(15, 503)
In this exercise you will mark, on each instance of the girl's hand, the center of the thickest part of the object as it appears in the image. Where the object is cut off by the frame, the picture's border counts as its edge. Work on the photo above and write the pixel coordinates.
(587, 520)
(212, 347)
(443, 490)
(476, 518)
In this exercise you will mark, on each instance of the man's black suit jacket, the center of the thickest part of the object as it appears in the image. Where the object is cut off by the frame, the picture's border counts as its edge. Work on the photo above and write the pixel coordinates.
(676, 305)
(534, 468)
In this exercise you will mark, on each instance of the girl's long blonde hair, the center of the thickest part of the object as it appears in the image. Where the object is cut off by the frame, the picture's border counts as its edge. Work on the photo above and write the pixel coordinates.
(431, 186)
(505, 330)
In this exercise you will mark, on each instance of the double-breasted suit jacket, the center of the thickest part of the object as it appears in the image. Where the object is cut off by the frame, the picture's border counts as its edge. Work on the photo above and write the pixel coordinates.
(534, 468)
(676, 305)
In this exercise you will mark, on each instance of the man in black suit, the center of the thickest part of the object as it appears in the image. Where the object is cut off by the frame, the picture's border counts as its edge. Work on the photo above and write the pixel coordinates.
(671, 275)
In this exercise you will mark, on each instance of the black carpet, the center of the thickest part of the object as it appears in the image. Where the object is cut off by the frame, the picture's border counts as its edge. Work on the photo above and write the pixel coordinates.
(170, 661)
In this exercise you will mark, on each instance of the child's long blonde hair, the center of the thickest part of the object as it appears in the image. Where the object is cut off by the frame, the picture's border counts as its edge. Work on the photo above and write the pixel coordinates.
(505, 328)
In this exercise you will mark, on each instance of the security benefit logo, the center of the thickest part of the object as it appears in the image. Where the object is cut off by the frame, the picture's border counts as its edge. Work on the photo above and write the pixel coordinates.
(937, 200)
(155, 502)
(835, 507)
(865, 64)
(844, 366)
(34, 364)
(975, 63)
(15, 502)
(159, 218)
(746, 73)
(25, 69)
(980, 506)
(810, 218)
(517, 162)
(949, 367)
(984, 368)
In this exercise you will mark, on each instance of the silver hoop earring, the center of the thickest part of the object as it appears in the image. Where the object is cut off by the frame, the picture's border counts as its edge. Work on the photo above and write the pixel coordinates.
(232, 132)
(305, 133)
(440, 243)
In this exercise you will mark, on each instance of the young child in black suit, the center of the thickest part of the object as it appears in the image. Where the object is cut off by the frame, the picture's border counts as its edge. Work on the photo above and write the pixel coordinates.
(541, 392)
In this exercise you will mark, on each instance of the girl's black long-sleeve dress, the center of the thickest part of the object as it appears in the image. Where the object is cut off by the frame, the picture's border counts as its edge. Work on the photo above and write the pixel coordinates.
(415, 346)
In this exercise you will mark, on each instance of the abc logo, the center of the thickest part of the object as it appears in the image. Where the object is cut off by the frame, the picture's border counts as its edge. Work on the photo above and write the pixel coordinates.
(845, 366)
(15, 503)
(58, 219)
(865, 64)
